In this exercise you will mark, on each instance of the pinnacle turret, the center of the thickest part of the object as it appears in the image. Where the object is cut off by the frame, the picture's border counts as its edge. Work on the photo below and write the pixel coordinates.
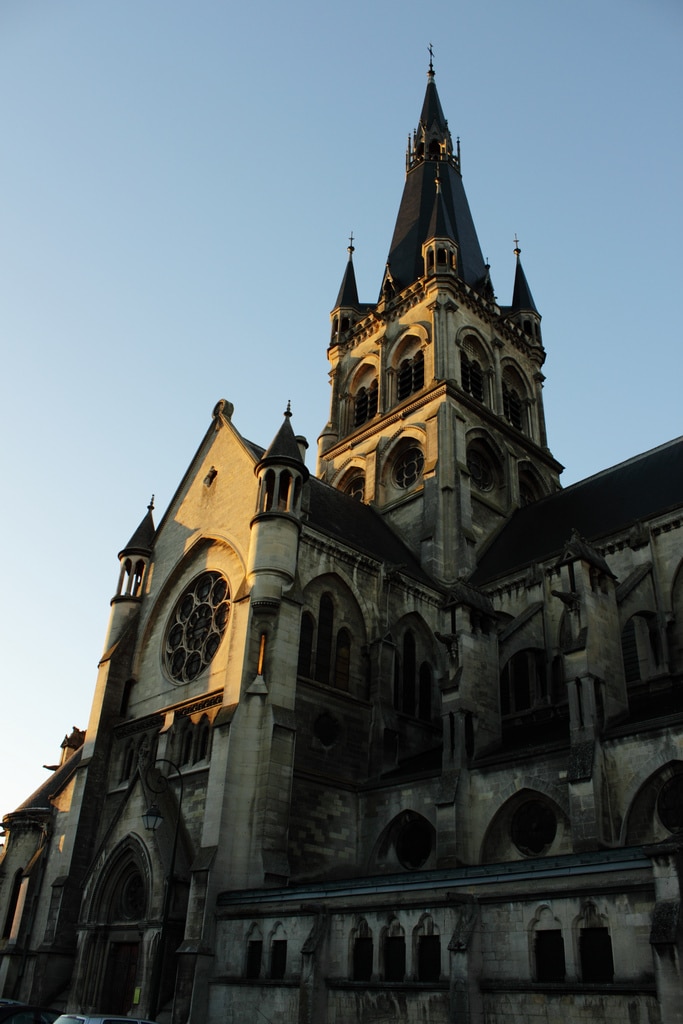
(348, 292)
(522, 299)
(285, 448)
(347, 307)
(134, 559)
(143, 538)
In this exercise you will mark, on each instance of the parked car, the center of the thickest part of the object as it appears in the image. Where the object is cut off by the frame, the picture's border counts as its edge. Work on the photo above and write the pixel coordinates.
(20, 1013)
(83, 1018)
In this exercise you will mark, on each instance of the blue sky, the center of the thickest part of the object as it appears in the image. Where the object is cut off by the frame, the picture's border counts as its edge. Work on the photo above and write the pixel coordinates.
(178, 181)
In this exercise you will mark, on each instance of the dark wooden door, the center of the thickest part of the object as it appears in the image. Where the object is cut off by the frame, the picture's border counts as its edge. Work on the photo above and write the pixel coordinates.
(119, 981)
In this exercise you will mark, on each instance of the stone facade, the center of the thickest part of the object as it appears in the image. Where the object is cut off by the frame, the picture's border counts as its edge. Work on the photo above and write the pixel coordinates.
(412, 725)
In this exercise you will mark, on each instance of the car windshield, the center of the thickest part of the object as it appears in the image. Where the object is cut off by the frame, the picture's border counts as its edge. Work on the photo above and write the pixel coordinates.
(28, 1015)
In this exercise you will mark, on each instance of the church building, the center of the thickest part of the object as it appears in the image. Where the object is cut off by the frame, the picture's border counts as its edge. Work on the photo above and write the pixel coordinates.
(390, 733)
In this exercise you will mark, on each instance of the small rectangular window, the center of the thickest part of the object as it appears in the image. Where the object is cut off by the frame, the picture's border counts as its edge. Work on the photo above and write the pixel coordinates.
(549, 951)
(595, 947)
(362, 959)
(394, 958)
(428, 958)
(254, 956)
(278, 958)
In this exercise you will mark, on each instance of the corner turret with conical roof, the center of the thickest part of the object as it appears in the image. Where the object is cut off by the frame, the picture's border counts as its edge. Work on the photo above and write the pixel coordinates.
(276, 526)
(347, 308)
(523, 310)
(436, 412)
(134, 559)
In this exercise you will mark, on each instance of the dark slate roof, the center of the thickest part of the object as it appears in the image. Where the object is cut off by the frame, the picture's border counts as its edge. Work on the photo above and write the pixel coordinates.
(142, 540)
(284, 447)
(522, 298)
(348, 292)
(439, 222)
(414, 216)
(41, 798)
(645, 486)
(360, 527)
(357, 525)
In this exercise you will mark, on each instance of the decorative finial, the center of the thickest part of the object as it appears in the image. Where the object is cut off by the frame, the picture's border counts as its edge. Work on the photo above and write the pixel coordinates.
(350, 248)
(431, 60)
(150, 507)
(517, 249)
(288, 410)
(437, 181)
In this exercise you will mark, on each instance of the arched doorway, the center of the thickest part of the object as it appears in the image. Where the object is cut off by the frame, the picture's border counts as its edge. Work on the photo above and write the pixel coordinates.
(114, 953)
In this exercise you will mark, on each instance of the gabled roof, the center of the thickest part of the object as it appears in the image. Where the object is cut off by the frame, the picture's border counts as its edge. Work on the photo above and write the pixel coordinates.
(639, 489)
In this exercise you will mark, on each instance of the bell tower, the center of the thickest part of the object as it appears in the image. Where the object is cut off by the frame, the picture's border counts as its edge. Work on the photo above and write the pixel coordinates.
(436, 415)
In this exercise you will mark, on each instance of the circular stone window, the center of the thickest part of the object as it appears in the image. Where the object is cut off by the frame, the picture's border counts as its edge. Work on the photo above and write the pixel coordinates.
(414, 844)
(196, 627)
(670, 804)
(326, 729)
(533, 827)
(408, 467)
(481, 470)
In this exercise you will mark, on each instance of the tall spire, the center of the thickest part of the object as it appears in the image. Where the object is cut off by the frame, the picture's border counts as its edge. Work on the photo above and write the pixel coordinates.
(430, 152)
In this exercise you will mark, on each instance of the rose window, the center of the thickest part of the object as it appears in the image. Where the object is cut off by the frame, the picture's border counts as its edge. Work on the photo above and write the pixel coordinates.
(196, 626)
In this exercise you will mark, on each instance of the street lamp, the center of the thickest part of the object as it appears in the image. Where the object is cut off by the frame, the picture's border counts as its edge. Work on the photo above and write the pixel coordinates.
(152, 820)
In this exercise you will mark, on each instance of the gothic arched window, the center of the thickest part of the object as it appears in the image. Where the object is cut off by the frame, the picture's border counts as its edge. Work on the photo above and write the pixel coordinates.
(523, 682)
(323, 653)
(365, 404)
(362, 952)
(472, 377)
(394, 952)
(412, 685)
(411, 376)
(324, 650)
(342, 661)
(512, 406)
(424, 697)
(408, 665)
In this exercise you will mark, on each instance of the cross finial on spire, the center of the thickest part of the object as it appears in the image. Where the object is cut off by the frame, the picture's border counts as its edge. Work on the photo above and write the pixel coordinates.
(150, 507)
(350, 247)
(517, 249)
(288, 410)
(431, 59)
